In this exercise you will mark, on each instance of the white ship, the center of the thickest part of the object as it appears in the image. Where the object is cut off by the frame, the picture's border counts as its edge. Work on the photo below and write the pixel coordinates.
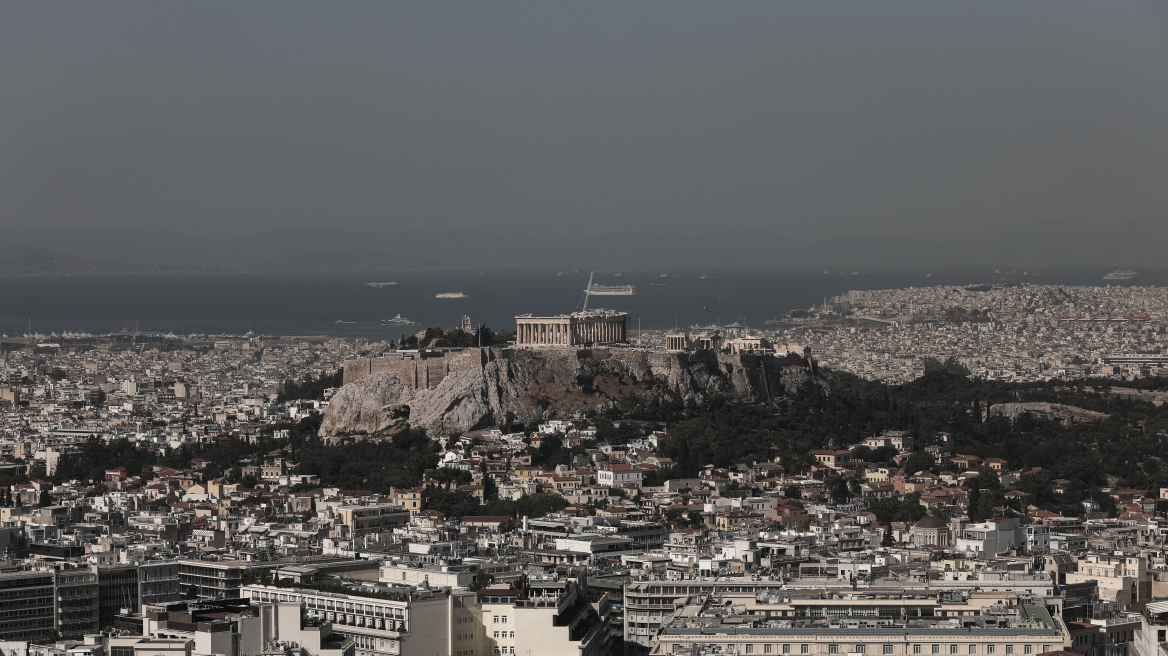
(611, 290)
(1122, 274)
(398, 320)
(381, 284)
(451, 295)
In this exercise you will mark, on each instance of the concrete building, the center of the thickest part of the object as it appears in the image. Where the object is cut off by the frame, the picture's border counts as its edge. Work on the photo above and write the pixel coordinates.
(388, 621)
(991, 538)
(1121, 578)
(203, 579)
(363, 520)
(76, 597)
(589, 327)
(1037, 538)
(429, 574)
(554, 619)
(233, 627)
(1000, 632)
(27, 609)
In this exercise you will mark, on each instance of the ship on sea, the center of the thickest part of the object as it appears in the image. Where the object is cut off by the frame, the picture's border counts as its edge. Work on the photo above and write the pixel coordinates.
(612, 290)
(609, 290)
(380, 284)
(451, 295)
(1122, 274)
(397, 320)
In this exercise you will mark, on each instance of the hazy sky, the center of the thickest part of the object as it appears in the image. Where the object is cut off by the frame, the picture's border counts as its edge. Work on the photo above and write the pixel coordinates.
(818, 118)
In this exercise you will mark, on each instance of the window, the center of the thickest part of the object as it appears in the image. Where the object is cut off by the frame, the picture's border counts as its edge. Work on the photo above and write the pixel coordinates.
(512, 634)
(1046, 648)
(833, 649)
(936, 649)
(496, 634)
(887, 649)
(804, 649)
(1026, 650)
(973, 649)
(750, 649)
(504, 620)
(916, 649)
(1009, 649)
(861, 648)
(768, 649)
(786, 649)
(952, 649)
(990, 649)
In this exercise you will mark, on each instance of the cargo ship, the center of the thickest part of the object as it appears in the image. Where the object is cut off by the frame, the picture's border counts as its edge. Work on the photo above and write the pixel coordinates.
(451, 295)
(1122, 274)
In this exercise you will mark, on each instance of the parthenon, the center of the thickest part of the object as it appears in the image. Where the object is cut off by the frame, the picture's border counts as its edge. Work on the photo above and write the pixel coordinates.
(590, 327)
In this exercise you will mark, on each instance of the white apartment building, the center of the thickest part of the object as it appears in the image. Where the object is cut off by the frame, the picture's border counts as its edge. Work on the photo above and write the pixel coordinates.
(992, 537)
(618, 475)
(555, 619)
(1123, 579)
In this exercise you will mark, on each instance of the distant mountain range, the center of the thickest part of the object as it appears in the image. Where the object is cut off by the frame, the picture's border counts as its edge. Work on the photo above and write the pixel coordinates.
(1029, 243)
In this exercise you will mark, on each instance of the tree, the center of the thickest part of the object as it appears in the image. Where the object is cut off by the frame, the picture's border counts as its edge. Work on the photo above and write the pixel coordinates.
(974, 502)
(950, 365)
(887, 540)
(919, 461)
(490, 489)
(46, 499)
(838, 488)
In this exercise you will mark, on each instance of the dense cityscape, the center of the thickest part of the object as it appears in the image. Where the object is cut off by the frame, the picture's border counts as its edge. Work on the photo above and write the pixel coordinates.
(583, 328)
(180, 494)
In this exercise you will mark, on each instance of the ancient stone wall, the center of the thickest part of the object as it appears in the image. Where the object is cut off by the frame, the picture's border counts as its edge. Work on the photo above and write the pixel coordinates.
(423, 369)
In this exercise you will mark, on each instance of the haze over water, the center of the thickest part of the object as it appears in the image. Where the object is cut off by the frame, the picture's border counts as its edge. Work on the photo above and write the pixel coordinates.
(311, 304)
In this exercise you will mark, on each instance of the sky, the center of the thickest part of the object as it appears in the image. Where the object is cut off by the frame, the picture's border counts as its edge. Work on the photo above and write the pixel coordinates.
(809, 119)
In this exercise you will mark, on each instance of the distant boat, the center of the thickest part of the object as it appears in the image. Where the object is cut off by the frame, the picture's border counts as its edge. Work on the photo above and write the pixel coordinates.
(381, 284)
(612, 290)
(710, 278)
(451, 295)
(1122, 274)
(398, 320)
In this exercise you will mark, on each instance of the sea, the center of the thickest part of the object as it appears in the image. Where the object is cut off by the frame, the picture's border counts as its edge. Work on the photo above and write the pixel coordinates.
(341, 305)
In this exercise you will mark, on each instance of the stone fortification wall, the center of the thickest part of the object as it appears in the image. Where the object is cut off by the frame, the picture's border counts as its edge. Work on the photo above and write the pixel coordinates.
(423, 369)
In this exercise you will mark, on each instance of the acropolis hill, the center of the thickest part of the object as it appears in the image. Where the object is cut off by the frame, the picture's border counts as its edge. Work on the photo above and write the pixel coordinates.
(462, 389)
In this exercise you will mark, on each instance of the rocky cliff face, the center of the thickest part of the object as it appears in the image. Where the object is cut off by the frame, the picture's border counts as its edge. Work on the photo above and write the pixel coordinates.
(538, 385)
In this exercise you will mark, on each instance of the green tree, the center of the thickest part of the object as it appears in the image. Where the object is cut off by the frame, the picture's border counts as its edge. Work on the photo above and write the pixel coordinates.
(917, 462)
